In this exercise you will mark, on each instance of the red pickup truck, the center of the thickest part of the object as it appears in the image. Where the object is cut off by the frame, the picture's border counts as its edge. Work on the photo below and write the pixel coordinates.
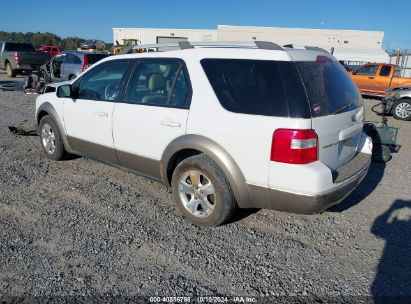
(376, 78)
(53, 50)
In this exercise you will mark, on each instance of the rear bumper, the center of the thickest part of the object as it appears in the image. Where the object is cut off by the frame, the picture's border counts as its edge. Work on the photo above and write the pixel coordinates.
(267, 198)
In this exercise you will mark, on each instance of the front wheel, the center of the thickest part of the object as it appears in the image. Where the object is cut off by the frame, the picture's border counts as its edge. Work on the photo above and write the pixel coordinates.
(402, 109)
(202, 192)
(50, 139)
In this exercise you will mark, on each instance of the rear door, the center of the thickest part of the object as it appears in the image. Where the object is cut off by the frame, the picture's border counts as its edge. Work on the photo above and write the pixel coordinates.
(152, 114)
(336, 109)
(67, 61)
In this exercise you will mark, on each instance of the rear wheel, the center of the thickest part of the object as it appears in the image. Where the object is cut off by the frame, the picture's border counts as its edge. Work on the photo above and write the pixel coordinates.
(402, 109)
(10, 71)
(202, 192)
(381, 153)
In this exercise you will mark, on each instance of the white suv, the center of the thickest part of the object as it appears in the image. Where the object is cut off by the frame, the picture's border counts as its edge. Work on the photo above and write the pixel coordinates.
(249, 125)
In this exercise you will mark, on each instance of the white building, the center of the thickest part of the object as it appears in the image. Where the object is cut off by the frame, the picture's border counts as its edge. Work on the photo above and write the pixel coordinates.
(355, 47)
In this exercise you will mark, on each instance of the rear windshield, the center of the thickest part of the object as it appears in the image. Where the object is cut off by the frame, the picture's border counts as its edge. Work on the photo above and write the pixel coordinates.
(93, 58)
(19, 47)
(329, 88)
(258, 87)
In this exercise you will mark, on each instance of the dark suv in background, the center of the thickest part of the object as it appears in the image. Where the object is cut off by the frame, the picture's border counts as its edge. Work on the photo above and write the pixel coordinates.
(17, 58)
(93, 44)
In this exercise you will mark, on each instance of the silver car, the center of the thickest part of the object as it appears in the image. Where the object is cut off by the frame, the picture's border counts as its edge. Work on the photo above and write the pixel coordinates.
(398, 103)
(76, 62)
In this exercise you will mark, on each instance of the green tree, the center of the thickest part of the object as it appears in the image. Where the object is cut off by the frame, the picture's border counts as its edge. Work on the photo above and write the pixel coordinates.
(39, 39)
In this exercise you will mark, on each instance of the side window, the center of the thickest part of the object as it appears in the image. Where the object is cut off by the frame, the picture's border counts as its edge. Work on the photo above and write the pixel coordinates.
(247, 86)
(397, 72)
(76, 60)
(68, 58)
(158, 82)
(367, 70)
(385, 70)
(103, 82)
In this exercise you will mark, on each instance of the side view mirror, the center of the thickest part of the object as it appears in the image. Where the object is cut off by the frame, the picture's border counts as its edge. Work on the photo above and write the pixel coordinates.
(65, 91)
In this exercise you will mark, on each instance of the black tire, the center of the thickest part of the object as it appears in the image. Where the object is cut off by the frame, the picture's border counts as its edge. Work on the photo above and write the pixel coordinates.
(59, 152)
(10, 71)
(401, 110)
(223, 200)
(381, 153)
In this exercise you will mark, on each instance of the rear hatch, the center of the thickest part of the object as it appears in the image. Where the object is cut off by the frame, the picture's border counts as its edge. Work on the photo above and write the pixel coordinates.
(90, 59)
(93, 58)
(336, 108)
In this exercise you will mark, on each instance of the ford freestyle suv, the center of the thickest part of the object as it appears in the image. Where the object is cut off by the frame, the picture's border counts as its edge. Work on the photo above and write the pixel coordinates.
(250, 125)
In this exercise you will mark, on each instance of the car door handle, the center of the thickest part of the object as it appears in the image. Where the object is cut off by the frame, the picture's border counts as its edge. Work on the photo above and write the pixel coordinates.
(170, 123)
(370, 77)
(101, 113)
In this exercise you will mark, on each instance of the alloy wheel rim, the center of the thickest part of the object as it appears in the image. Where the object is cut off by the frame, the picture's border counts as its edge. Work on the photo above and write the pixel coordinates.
(48, 139)
(197, 193)
(403, 110)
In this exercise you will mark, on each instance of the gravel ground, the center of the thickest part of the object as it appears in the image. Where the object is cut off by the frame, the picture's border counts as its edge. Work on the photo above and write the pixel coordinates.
(80, 230)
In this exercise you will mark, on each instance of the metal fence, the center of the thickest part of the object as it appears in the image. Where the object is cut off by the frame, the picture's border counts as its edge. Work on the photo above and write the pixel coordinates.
(404, 62)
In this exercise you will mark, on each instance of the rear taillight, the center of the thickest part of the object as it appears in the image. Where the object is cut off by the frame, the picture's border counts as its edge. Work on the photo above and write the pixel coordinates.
(85, 63)
(294, 146)
(16, 57)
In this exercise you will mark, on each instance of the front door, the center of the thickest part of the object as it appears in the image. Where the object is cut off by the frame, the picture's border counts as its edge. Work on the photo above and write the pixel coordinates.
(364, 78)
(88, 119)
(154, 113)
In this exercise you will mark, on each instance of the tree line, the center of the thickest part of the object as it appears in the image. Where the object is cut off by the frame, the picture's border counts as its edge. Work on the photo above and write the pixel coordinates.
(38, 39)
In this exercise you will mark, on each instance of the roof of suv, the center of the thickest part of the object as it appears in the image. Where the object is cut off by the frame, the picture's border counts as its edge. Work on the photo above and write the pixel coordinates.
(233, 50)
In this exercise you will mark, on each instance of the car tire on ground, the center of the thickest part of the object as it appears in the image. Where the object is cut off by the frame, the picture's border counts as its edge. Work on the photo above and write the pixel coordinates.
(10, 71)
(50, 139)
(402, 109)
(202, 192)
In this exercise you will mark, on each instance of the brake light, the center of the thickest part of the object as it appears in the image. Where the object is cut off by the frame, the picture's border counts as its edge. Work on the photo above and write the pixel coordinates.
(16, 57)
(85, 63)
(294, 146)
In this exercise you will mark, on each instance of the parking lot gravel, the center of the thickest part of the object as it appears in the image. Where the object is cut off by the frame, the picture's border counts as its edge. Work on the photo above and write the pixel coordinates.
(81, 230)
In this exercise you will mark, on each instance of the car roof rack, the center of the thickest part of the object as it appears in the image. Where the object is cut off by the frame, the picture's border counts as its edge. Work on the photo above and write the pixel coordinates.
(185, 44)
